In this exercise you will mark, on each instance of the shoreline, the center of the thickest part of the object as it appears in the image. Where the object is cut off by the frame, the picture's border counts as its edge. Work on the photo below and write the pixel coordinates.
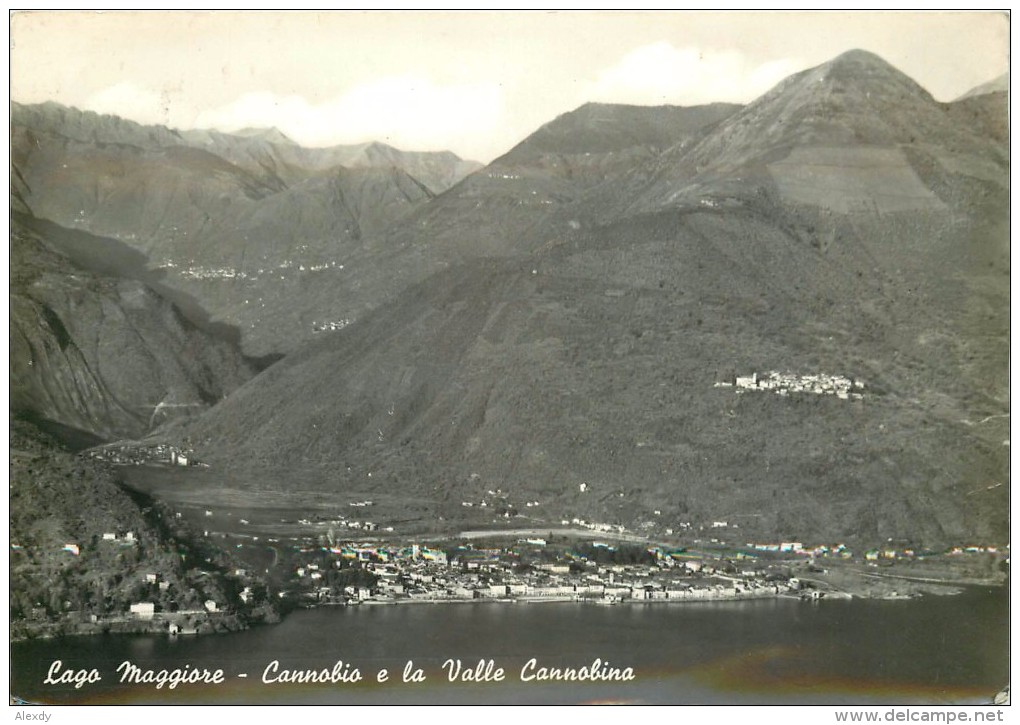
(233, 626)
(599, 601)
(224, 623)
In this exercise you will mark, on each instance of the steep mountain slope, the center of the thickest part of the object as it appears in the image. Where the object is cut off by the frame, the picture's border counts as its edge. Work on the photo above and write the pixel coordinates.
(842, 225)
(601, 369)
(851, 135)
(986, 113)
(526, 199)
(496, 210)
(58, 500)
(600, 128)
(105, 355)
(222, 214)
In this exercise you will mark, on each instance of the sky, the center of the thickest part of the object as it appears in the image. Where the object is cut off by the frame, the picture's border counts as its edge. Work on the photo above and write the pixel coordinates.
(472, 82)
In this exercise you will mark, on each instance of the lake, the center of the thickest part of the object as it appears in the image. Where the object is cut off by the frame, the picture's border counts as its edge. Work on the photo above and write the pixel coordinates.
(934, 650)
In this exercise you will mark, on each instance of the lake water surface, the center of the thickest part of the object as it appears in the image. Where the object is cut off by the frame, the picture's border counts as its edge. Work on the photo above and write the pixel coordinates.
(935, 650)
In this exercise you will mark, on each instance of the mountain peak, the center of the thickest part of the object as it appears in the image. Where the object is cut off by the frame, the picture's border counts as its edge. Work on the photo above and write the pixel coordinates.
(856, 82)
(863, 71)
(859, 56)
(270, 134)
(847, 107)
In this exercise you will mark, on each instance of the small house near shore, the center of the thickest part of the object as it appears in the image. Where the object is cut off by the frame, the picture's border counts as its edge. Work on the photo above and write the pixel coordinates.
(143, 610)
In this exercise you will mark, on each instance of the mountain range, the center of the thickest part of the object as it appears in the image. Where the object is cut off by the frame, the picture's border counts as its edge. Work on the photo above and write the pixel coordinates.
(570, 323)
(252, 226)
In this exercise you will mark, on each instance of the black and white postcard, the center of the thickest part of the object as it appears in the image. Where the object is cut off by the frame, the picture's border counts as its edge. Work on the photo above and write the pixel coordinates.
(510, 358)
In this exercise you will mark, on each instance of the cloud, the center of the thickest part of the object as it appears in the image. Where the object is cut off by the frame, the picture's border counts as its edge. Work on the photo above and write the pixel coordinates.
(130, 101)
(661, 73)
(408, 111)
(412, 111)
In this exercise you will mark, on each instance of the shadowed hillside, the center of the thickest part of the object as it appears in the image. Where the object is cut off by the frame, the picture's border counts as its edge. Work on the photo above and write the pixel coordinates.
(105, 354)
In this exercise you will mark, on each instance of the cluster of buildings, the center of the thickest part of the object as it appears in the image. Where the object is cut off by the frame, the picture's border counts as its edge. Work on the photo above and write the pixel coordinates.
(595, 525)
(330, 325)
(198, 272)
(794, 547)
(785, 383)
(350, 523)
(886, 553)
(212, 273)
(137, 455)
(155, 608)
(619, 529)
(128, 538)
(289, 264)
(417, 573)
(528, 571)
(497, 500)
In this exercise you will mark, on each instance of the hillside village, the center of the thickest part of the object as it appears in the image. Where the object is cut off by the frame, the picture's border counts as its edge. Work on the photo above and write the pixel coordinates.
(194, 271)
(785, 383)
(135, 454)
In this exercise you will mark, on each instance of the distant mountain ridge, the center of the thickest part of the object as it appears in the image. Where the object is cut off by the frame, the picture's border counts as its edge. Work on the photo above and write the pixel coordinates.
(239, 222)
(996, 85)
(272, 134)
(439, 169)
(566, 320)
(265, 150)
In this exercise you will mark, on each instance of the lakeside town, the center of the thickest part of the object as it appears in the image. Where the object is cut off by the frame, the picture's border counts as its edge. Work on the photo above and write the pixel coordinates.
(250, 565)
(535, 569)
(581, 563)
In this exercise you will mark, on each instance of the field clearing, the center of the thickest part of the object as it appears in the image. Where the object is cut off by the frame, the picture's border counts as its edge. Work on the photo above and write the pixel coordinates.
(848, 179)
(302, 510)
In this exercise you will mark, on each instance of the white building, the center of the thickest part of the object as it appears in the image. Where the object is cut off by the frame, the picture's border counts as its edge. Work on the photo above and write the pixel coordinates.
(749, 381)
(143, 610)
